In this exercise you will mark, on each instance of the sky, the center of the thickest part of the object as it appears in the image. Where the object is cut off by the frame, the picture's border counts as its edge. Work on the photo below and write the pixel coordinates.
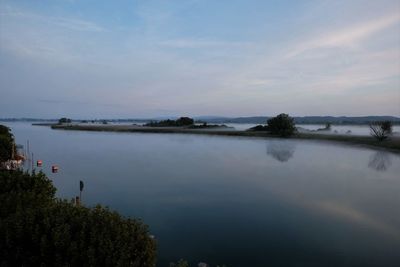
(145, 58)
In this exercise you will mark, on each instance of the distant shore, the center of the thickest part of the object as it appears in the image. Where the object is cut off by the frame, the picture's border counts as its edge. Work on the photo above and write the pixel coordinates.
(392, 144)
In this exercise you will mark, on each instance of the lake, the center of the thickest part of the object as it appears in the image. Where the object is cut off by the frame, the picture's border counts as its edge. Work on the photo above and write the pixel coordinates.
(234, 200)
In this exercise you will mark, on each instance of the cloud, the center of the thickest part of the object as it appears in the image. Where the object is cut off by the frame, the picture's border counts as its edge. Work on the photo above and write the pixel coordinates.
(349, 37)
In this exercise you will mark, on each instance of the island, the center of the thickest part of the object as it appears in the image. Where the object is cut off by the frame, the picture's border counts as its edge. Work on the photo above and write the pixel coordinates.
(186, 125)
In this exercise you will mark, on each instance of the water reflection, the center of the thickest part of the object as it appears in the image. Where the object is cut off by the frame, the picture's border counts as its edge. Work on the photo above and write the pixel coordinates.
(380, 161)
(281, 150)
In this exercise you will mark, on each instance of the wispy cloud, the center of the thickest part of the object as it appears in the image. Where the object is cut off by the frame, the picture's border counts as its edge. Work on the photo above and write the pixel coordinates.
(200, 43)
(57, 102)
(65, 22)
(76, 24)
(349, 37)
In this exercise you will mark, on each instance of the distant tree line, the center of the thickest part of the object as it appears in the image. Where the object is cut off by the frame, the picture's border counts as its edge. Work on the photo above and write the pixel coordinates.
(64, 120)
(37, 229)
(182, 121)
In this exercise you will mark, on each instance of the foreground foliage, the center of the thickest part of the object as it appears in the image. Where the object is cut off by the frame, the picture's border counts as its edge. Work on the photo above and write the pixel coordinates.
(7, 145)
(37, 229)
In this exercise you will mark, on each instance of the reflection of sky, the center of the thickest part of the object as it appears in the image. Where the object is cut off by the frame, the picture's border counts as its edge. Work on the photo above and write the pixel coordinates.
(207, 194)
(335, 209)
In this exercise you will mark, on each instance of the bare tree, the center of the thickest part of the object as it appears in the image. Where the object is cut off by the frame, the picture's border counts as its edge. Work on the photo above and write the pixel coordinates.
(381, 130)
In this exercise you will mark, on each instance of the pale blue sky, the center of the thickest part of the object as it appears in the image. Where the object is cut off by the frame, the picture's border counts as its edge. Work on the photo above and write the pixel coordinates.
(91, 58)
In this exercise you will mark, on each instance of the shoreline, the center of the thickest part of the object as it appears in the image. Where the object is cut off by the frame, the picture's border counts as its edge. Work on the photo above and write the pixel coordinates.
(392, 144)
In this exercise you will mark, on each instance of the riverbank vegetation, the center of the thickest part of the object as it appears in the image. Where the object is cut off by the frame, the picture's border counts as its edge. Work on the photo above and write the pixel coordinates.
(37, 229)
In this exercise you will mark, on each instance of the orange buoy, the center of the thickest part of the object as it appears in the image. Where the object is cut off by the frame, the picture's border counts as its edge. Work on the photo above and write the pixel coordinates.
(39, 163)
(54, 169)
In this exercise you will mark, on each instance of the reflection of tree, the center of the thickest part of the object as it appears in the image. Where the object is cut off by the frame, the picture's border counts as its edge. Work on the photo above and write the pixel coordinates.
(281, 150)
(380, 161)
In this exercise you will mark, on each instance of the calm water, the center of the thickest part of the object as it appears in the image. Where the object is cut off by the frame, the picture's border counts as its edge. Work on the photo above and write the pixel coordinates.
(236, 201)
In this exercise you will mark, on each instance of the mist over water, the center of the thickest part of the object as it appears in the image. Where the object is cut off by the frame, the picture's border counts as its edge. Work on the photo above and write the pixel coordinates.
(362, 130)
(235, 201)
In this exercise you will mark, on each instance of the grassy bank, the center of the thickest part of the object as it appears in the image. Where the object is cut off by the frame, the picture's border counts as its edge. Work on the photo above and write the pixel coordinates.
(393, 144)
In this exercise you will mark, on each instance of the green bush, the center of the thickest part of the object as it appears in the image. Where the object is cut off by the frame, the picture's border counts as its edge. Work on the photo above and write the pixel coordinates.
(37, 229)
(282, 125)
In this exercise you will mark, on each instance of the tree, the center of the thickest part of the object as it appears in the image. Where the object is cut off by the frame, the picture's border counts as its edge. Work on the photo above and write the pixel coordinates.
(381, 130)
(64, 120)
(184, 121)
(282, 125)
(37, 229)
